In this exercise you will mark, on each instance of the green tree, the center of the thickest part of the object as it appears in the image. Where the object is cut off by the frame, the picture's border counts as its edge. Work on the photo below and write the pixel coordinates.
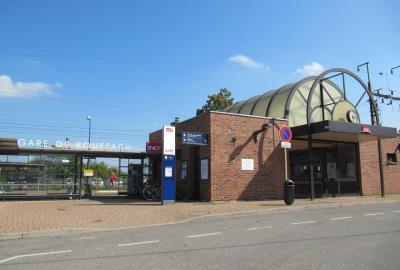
(217, 102)
(100, 170)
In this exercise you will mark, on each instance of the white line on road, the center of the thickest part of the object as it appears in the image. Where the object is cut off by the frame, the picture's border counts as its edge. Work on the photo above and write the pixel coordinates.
(339, 218)
(396, 211)
(139, 243)
(35, 254)
(200, 235)
(303, 222)
(257, 228)
(373, 214)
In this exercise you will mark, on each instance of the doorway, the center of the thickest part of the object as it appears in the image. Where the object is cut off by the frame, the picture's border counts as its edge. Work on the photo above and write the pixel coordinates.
(335, 170)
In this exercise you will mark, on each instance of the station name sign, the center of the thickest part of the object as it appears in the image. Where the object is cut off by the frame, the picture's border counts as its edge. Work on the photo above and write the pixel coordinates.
(194, 138)
(100, 146)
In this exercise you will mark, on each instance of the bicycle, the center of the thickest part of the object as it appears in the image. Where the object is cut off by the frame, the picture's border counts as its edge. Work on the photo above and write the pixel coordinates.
(152, 192)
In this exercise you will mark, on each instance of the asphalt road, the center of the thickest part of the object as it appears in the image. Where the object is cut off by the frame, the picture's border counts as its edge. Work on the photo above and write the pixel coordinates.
(352, 237)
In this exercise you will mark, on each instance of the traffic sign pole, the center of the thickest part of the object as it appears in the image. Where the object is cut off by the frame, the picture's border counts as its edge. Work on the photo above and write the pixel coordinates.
(285, 133)
(286, 171)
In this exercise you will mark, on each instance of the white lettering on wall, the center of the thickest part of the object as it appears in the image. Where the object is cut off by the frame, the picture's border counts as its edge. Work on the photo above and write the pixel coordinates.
(44, 143)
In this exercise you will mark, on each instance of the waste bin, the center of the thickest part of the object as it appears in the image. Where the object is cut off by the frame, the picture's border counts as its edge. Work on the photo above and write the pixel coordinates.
(288, 191)
(332, 187)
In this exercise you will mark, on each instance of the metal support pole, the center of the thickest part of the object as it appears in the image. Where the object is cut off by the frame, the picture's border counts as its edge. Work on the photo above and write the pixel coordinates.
(310, 163)
(286, 177)
(80, 177)
(381, 168)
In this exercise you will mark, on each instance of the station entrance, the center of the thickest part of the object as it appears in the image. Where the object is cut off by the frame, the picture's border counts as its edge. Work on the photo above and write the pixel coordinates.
(335, 169)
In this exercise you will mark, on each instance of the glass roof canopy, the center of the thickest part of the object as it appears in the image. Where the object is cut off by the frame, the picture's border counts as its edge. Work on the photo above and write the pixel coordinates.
(290, 102)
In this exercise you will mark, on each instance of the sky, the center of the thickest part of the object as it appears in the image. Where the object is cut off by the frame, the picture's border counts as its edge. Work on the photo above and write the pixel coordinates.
(133, 66)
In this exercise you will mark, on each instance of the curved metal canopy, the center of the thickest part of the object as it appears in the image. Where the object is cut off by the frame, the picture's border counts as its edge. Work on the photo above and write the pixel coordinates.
(292, 100)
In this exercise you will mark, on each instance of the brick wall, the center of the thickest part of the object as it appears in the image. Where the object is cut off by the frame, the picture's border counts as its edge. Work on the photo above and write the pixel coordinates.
(369, 165)
(229, 182)
(226, 180)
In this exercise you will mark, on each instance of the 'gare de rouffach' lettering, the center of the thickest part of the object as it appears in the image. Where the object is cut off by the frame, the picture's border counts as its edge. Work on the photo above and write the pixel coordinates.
(33, 143)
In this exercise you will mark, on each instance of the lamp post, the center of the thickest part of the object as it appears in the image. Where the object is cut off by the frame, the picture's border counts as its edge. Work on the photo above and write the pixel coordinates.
(391, 70)
(89, 118)
(88, 188)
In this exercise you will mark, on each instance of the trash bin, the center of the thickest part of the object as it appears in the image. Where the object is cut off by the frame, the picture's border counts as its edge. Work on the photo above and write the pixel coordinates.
(288, 191)
(332, 187)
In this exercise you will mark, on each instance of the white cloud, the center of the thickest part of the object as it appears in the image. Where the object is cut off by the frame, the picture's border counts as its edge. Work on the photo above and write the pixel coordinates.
(8, 88)
(310, 70)
(245, 61)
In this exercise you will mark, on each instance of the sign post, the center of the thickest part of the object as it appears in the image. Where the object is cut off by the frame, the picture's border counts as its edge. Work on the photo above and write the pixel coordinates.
(168, 165)
(285, 133)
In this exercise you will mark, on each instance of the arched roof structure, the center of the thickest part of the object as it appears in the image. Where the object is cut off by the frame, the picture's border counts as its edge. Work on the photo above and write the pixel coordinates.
(290, 102)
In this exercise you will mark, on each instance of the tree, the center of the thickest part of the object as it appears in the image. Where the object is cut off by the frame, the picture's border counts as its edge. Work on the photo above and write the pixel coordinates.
(100, 170)
(217, 102)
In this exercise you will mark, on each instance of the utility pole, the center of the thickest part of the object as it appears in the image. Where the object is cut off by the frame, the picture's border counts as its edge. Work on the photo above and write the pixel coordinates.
(375, 121)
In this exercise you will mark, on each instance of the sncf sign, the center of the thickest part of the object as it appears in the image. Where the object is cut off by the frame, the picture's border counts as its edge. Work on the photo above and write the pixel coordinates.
(365, 129)
(169, 140)
(153, 147)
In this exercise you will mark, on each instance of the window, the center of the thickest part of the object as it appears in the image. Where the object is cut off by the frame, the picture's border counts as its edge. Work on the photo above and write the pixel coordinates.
(184, 173)
(391, 158)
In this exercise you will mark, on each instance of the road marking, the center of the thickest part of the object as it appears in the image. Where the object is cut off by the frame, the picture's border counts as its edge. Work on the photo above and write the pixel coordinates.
(139, 243)
(303, 222)
(373, 214)
(257, 228)
(35, 254)
(200, 235)
(396, 211)
(339, 218)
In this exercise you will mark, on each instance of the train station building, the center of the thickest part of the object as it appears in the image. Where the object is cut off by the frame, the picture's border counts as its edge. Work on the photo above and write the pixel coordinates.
(239, 157)
(332, 153)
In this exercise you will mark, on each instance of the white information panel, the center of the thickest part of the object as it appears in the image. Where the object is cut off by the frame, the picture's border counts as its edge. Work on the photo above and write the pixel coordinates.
(286, 145)
(168, 172)
(169, 140)
(247, 164)
(204, 169)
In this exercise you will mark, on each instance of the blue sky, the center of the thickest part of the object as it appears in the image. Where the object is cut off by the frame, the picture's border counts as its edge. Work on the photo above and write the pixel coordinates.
(135, 65)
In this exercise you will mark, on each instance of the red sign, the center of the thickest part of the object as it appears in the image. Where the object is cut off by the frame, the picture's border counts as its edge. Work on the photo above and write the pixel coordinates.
(153, 147)
(169, 129)
(365, 129)
(285, 133)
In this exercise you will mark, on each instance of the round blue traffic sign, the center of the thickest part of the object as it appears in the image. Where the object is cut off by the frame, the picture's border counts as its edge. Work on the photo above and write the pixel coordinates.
(285, 133)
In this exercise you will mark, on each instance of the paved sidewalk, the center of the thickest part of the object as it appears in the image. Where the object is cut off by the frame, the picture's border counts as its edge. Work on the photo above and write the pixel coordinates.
(27, 218)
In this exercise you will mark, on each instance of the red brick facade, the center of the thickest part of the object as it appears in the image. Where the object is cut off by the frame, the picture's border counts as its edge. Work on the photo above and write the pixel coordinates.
(231, 139)
(369, 166)
(226, 179)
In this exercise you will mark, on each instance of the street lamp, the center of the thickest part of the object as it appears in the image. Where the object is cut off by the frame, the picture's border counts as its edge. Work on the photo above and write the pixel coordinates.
(88, 191)
(391, 70)
(89, 118)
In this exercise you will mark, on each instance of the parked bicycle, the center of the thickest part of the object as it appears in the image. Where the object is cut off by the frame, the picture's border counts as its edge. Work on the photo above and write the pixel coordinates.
(152, 192)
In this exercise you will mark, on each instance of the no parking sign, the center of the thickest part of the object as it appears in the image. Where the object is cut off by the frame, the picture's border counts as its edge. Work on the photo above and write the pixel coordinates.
(285, 133)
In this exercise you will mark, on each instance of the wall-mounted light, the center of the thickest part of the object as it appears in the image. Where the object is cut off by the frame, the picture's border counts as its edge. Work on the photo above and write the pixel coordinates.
(233, 140)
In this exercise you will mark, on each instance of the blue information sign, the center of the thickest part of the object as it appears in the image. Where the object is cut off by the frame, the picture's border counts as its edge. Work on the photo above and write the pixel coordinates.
(168, 183)
(194, 138)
